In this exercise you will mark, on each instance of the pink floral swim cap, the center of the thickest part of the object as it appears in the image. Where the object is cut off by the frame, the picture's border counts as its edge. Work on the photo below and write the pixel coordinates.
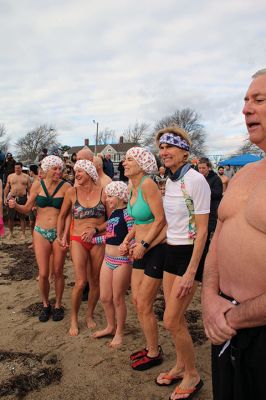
(117, 189)
(88, 167)
(51, 161)
(144, 158)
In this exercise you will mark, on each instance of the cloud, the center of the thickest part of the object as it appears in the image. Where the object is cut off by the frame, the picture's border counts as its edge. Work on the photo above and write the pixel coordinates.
(67, 63)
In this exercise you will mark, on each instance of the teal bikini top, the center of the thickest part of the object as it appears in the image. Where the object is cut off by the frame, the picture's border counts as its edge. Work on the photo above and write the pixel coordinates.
(140, 210)
(50, 201)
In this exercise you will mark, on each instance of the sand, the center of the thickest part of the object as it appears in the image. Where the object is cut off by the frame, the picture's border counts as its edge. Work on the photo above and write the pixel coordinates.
(41, 361)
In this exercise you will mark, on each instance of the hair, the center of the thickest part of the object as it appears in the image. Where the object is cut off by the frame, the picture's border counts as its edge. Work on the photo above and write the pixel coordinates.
(74, 155)
(34, 169)
(259, 73)
(220, 167)
(205, 160)
(19, 163)
(176, 130)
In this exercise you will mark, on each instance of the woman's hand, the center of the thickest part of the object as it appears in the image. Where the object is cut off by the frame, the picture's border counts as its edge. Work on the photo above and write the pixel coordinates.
(124, 248)
(185, 285)
(88, 235)
(137, 251)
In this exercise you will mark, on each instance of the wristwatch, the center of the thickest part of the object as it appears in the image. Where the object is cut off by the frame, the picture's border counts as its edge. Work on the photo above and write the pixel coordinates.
(145, 244)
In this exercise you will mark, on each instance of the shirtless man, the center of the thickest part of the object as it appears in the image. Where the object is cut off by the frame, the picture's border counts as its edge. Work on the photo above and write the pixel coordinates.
(98, 163)
(234, 286)
(223, 177)
(85, 154)
(18, 185)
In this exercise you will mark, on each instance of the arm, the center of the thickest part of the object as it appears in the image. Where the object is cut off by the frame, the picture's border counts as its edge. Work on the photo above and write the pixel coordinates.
(63, 221)
(28, 185)
(214, 306)
(248, 314)
(6, 190)
(1, 196)
(25, 209)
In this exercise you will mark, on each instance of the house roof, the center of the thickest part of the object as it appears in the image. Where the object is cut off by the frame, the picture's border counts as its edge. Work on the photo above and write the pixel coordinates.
(118, 147)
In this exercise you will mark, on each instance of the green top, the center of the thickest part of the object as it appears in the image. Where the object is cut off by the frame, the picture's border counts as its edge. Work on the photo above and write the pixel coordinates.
(140, 210)
(50, 201)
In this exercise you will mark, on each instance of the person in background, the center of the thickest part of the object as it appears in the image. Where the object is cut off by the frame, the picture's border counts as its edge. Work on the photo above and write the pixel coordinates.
(108, 166)
(17, 186)
(2, 229)
(234, 283)
(229, 172)
(98, 163)
(223, 177)
(121, 170)
(8, 167)
(74, 158)
(216, 186)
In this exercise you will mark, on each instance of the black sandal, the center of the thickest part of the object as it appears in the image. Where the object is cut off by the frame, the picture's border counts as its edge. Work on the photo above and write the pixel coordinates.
(45, 313)
(58, 314)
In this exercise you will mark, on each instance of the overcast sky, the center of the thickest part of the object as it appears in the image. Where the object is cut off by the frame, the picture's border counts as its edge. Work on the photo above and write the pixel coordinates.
(67, 63)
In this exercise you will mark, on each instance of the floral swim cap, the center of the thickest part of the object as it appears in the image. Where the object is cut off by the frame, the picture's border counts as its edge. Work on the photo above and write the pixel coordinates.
(51, 161)
(88, 167)
(144, 158)
(117, 189)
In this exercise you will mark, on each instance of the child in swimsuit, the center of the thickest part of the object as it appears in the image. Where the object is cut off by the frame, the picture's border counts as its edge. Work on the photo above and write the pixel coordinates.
(116, 270)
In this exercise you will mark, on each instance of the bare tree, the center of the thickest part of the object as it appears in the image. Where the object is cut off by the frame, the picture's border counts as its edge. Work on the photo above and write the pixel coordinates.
(30, 145)
(136, 133)
(105, 136)
(189, 120)
(4, 139)
(249, 147)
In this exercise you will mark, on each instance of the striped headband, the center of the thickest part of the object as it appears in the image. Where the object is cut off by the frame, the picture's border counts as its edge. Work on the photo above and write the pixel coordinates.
(174, 140)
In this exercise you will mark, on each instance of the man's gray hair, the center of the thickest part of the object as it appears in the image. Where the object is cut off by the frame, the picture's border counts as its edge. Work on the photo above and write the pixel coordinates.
(259, 73)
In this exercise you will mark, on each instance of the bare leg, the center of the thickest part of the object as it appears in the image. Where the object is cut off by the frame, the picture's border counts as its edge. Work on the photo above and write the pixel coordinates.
(43, 250)
(106, 297)
(79, 258)
(96, 259)
(174, 321)
(144, 292)
(51, 269)
(121, 280)
(11, 228)
(58, 260)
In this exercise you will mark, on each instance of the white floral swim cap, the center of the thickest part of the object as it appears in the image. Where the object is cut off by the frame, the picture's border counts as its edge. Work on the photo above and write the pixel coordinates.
(88, 167)
(117, 189)
(51, 161)
(144, 158)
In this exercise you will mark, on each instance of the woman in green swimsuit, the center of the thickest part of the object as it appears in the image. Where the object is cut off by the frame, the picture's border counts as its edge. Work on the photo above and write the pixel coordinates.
(146, 207)
(48, 194)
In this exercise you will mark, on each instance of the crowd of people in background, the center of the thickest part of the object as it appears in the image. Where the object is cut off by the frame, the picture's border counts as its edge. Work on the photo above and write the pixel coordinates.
(157, 224)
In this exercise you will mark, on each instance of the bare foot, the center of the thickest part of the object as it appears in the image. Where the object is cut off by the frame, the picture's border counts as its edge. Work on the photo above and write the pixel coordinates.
(167, 378)
(102, 333)
(73, 330)
(30, 246)
(91, 324)
(38, 278)
(185, 387)
(22, 236)
(116, 342)
(10, 236)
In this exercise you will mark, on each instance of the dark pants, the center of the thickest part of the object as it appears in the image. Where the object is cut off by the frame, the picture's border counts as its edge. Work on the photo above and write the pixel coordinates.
(239, 373)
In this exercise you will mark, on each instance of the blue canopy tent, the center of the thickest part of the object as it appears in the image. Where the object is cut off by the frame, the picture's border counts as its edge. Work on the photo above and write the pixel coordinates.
(239, 161)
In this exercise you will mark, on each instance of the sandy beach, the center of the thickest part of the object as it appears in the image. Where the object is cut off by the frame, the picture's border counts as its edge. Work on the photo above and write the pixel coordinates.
(41, 361)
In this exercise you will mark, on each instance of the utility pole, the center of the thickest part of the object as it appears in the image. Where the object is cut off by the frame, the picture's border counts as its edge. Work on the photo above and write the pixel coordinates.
(96, 139)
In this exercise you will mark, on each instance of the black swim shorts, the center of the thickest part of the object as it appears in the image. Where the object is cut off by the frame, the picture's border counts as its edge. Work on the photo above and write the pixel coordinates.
(153, 262)
(21, 200)
(178, 257)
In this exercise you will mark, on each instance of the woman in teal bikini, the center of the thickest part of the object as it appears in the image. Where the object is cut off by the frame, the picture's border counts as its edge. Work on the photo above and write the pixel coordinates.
(48, 194)
(146, 207)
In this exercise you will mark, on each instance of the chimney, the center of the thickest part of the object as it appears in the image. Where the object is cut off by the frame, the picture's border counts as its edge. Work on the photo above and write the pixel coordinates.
(121, 140)
(86, 142)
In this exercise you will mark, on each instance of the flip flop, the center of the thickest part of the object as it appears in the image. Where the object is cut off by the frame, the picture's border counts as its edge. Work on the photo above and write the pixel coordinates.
(191, 392)
(171, 378)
